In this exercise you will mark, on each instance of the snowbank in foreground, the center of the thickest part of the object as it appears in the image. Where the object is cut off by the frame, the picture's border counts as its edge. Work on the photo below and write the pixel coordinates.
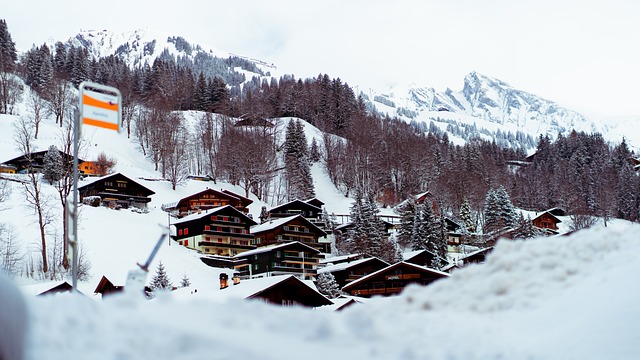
(548, 298)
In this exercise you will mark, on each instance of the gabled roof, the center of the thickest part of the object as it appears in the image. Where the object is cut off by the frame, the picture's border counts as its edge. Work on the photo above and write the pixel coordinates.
(273, 224)
(268, 248)
(315, 202)
(391, 267)
(215, 211)
(116, 175)
(304, 289)
(347, 265)
(550, 214)
(245, 199)
(296, 202)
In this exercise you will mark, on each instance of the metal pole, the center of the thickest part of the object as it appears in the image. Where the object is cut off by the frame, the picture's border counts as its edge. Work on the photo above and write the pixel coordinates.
(74, 213)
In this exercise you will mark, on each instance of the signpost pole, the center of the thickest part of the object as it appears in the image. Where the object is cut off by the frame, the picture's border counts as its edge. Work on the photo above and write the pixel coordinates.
(100, 106)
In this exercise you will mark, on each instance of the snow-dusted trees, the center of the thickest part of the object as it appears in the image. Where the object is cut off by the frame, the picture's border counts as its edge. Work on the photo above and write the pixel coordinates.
(367, 234)
(10, 250)
(9, 88)
(299, 180)
(52, 170)
(327, 285)
(160, 280)
(499, 212)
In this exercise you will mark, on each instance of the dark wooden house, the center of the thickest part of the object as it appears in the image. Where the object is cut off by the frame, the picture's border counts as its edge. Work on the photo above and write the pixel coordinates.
(117, 191)
(105, 287)
(205, 200)
(292, 258)
(291, 292)
(392, 280)
(221, 231)
(298, 207)
(476, 257)
(546, 221)
(34, 161)
(288, 229)
(60, 288)
(346, 272)
(286, 290)
(418, 257)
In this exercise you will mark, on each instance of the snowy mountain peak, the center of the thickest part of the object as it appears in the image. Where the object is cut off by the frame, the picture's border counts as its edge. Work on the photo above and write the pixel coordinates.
(485, 107)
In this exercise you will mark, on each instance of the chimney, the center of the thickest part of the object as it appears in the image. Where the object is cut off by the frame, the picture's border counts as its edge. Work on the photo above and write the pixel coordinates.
(236, 279)
(224, 281)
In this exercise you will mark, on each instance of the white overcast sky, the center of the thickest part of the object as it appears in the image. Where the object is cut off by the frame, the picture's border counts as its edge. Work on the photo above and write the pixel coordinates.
(582, 54)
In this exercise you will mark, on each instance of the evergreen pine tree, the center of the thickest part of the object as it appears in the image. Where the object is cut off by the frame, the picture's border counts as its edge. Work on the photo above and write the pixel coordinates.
(314, 151)
(185, 282)
(300, 182)
(160, 281)
(406, 229)
(327, 285)
(53, 167)
(8, 53)
(466, 217)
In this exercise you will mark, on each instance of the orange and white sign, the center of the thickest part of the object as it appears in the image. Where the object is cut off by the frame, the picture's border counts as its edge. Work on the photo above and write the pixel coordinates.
(100, 106)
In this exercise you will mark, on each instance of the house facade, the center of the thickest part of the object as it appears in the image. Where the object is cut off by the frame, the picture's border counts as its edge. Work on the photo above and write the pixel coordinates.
(206, 200)
(117, 191)
(392, 280)
(222, 231)
(288, 229)
(546, 221)
(293, 258)
(346, 272)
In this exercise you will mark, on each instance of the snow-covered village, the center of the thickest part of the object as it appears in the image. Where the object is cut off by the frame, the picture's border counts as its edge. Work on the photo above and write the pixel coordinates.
(232, 210)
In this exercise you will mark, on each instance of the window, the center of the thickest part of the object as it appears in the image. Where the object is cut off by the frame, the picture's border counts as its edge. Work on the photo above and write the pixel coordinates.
(255, 266)
(186, 231)
(207, 227)
(186, 243)
(180, 232)
(213, 217)
(277, 254)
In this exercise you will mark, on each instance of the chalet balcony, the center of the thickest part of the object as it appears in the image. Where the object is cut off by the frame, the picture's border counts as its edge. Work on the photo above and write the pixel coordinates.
(226, 245)
(295, 270)
(306, 260)
(227, 233)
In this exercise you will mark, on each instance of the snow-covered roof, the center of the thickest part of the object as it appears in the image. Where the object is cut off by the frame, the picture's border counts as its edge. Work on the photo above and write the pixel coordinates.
(346, 265)
(424, 268)
(337, 259)
(208, 212)
(268, 248)
(272, 224)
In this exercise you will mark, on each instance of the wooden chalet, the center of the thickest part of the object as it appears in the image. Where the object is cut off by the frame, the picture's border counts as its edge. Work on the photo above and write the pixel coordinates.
(546, 221)
(293, 258)
(8, 169)
(291, 291)
(288, 229)
(392, 280)
(310, 211)
(117, 191)
(419, 257)
(476, 257)
(88, 168)
(346, 272)
(315, 202)
(35, 161)
(63, 287)
(454, 235)
(221, 231)
(206, 200)
(105, 287)
(284, 290)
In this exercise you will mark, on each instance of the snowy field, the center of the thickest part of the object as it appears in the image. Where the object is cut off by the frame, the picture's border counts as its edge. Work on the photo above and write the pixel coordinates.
(549, 298)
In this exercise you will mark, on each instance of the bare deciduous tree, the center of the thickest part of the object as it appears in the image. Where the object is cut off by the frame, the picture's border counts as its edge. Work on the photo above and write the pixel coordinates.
(32, 188)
